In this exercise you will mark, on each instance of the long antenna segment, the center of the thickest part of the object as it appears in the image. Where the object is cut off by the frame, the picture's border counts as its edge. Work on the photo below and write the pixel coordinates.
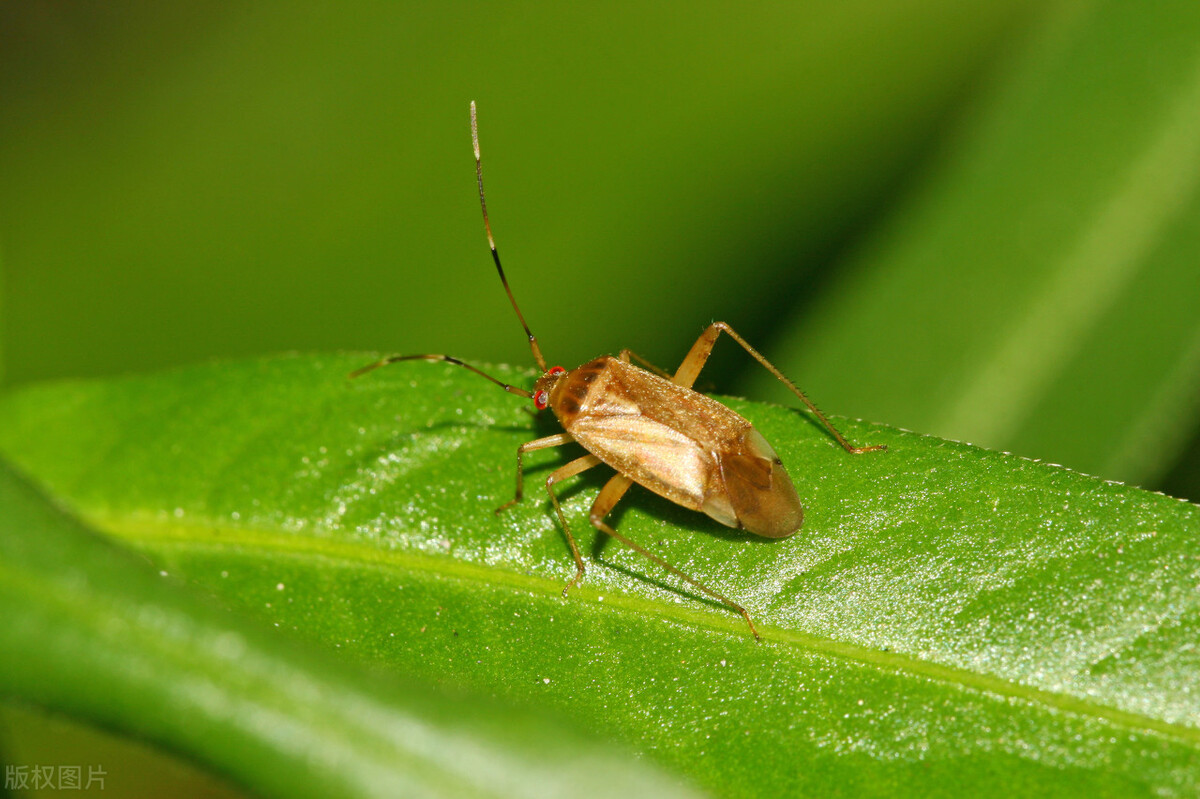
(487, 226)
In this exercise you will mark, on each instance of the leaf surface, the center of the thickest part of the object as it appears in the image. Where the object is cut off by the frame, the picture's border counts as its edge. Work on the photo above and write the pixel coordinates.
(950, 621)
(92, 632)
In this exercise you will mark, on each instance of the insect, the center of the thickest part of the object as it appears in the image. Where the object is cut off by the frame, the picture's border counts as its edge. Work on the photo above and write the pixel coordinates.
(654, 430)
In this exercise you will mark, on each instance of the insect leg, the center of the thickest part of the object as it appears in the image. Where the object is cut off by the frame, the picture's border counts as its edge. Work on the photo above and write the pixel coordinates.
(556, 440)
(609, 496)
(689, 370)
(658, 370)
(562, 473)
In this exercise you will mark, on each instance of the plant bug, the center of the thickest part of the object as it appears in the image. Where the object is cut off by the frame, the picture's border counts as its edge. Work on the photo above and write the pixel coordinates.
(654, 430)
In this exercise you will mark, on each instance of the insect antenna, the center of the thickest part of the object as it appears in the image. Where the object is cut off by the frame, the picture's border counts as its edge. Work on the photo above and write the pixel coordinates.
(487, 226)
(435, 357)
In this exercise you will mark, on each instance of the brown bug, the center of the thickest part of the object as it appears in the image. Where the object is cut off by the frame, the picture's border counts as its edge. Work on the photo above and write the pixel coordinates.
(655, 431)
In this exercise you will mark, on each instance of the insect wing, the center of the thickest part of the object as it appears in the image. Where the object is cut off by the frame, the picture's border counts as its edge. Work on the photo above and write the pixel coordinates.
(653, 454)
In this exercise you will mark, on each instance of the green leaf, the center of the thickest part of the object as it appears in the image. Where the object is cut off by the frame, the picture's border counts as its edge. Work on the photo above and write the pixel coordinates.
(949, 621)
(1037, 291)
(91, 631)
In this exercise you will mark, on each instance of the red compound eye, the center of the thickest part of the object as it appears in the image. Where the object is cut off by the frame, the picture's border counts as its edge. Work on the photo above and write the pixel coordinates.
(556, 370)
(540, 400)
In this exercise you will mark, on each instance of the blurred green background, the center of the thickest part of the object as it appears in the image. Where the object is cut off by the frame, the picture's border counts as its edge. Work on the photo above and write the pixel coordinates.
(978, 220)
(187, 181)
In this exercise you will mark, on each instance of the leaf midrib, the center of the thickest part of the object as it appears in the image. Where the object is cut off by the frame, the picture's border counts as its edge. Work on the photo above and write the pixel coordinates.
(154, 534)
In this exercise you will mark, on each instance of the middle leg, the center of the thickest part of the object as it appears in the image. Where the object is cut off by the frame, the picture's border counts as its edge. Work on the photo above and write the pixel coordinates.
(627, 354)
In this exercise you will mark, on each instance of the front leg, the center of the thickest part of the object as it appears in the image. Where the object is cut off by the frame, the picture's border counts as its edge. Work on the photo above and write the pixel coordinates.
(562, 473)
(689, 370)
(556, 440)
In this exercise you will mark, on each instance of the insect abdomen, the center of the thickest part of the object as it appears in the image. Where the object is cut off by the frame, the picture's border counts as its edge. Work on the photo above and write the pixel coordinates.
(758, 490)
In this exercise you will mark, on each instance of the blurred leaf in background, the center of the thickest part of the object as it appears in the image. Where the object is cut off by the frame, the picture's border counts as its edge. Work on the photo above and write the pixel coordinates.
(1038, 290)
(2, 325)
(200, 179)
